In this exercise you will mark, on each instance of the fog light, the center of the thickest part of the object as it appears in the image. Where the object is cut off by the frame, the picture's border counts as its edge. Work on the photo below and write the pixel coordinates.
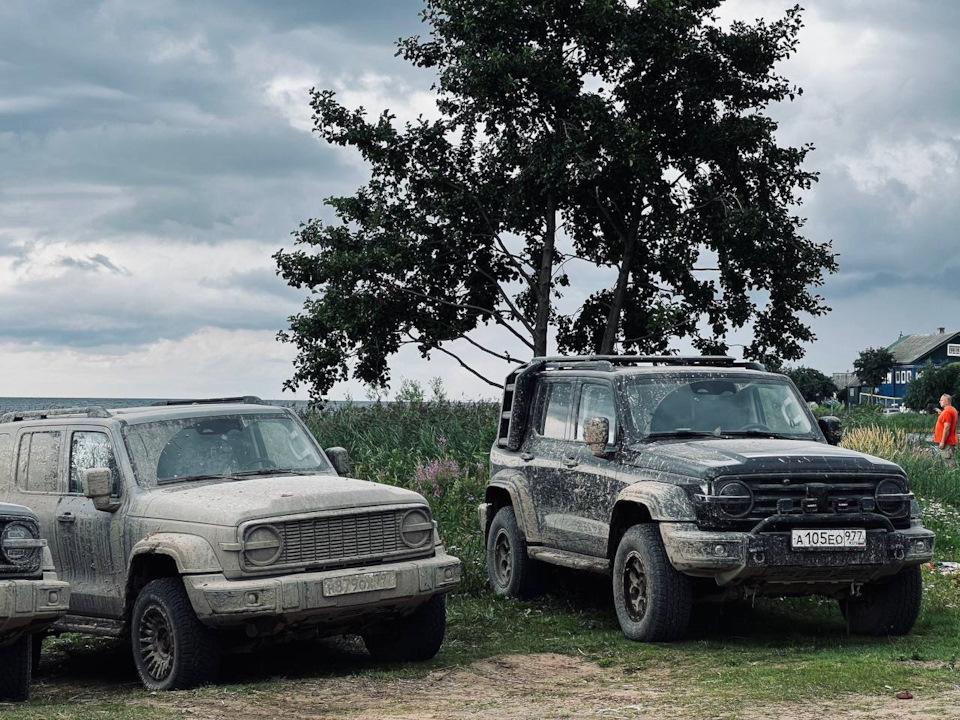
(448, 573)
(53, 598)
(253, 599)
(719, 550)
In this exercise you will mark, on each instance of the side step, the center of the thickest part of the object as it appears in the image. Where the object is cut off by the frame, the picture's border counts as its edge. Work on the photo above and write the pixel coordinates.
(572, 560)
(90, 626)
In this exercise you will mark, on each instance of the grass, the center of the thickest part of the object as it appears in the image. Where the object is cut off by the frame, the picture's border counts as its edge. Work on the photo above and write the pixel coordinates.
(778, 651)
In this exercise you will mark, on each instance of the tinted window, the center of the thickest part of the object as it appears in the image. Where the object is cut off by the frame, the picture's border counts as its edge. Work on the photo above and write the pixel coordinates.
(556, 410)
(39, 460)
(90, 450)
(596, 401)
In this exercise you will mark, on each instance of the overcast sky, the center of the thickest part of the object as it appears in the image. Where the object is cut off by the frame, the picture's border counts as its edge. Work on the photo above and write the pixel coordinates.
(154, 155)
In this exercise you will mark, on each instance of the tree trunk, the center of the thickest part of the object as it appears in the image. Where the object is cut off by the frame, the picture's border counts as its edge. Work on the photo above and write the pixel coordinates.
(619, 294)
(545, 280)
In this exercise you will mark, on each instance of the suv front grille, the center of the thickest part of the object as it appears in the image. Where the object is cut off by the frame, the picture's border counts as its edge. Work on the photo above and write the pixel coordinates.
(786, 494)
(345, 540)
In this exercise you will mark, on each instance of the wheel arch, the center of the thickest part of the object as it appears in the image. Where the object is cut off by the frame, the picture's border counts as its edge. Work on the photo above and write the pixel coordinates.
(510, 488)
(165, 555)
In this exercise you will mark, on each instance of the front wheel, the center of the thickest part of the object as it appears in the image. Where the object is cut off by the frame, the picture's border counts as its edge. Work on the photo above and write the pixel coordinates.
(172, 649)
(415, 637)
(15, 670)
(653, 600)
(889, 608)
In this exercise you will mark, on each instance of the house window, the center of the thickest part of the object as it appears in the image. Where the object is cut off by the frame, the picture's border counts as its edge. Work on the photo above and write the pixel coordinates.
(889, 376)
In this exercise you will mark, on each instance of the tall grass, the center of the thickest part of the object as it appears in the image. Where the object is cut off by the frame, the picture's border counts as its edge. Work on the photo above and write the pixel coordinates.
(437, 448)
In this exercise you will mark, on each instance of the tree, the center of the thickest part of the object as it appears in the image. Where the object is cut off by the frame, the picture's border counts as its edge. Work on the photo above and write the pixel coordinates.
(872, 366)
(624, 137)
(925, 390)
(812, 384)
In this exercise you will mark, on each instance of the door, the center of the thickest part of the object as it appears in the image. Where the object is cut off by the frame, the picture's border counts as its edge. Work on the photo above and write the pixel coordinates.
(90, 540)
(37, 478)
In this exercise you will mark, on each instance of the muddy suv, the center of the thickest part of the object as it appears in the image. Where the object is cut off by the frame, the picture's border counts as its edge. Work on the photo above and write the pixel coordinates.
(31, 595)
(694, 479)
(198, 527)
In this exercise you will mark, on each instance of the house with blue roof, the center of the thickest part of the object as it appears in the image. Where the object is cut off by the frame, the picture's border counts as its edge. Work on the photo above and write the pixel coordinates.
(911, 353)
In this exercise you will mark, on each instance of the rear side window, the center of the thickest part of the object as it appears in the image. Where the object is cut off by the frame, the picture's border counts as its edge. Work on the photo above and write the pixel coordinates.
(89, 450)
(39, 460)
(555, 410)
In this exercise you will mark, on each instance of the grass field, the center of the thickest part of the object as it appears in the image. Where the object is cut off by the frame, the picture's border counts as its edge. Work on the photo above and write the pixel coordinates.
(785, 654)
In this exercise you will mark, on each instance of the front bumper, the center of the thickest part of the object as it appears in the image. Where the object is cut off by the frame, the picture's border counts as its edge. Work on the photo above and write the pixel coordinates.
(273, 604)
(767, 558)
(27, 606)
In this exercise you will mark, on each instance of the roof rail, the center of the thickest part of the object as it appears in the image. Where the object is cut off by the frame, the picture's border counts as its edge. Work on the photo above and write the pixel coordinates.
(241, 399)
(93, 411)
(607, 362)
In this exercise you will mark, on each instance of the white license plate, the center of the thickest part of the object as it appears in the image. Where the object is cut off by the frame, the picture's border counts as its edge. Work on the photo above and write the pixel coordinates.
(855, 539)
(350, 584)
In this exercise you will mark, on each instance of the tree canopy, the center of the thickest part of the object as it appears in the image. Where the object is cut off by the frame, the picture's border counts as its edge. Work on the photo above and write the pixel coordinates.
(872, 366)
(812, 384)
(925, 390)
(590, 141)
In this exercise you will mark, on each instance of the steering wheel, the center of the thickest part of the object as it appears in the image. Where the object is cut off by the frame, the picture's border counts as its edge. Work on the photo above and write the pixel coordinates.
(263, 464)
(755, 426)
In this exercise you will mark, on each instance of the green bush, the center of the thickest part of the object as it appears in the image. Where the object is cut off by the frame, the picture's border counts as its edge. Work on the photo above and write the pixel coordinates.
(437, 448)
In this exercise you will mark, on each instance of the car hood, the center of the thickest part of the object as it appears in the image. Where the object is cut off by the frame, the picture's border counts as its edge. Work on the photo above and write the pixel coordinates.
(232, 502)
(707, 459)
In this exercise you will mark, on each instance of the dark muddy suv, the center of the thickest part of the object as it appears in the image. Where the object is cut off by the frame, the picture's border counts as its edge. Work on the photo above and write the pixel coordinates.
(694, 479)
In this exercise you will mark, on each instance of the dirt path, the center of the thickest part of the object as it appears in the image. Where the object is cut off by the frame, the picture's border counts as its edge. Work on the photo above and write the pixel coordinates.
(521, 687)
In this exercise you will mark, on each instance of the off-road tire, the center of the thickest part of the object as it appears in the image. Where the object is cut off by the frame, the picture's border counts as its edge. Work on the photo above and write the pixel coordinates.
(16, 667)
(653, 600)
(172, 649)
(36, 641)
(886, 608)
(412, 638)
(510, 570)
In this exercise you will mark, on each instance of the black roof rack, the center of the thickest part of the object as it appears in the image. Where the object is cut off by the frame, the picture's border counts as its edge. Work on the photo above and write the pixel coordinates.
(241, 400)
(92, 411)
(607, 362)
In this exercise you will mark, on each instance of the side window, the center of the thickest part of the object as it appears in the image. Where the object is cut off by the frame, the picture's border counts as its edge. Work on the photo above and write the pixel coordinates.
(39, 461)
(90, 449)
(555, 409)
(6, 459)
(596, 401)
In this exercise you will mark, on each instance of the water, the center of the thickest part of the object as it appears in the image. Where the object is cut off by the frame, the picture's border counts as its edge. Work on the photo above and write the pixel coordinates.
(23, 404)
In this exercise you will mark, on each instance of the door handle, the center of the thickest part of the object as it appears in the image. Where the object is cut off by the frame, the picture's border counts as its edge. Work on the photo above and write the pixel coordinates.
(571, 462)
(526, 456)
(66, 517)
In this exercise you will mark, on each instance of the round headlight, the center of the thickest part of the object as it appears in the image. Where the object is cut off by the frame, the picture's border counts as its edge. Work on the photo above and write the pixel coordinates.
(890, 505)
(737, 499)
(19, 556)
(416, 528)
(262, 545)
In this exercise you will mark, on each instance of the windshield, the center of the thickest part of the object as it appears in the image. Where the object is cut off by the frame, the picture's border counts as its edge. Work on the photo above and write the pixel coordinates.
(224, 446)
(698, 405)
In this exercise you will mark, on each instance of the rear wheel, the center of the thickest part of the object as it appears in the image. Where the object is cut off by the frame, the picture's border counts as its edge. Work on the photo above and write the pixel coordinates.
(414, 638)
(172, 649)
(510, 570)
(653, 600)
(15, 669)
(888, 608)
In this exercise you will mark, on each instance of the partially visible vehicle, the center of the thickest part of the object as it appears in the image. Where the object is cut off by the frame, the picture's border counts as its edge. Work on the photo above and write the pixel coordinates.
(200, 526)
(31, 595)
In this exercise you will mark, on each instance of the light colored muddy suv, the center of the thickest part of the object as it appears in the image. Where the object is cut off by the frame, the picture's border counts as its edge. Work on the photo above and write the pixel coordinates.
(31, 595)
(211, 525)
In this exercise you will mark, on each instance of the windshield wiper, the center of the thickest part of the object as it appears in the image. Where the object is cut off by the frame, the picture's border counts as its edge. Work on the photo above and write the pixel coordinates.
(763, 434)
(185, 478)
(273, 471)
(680, 434)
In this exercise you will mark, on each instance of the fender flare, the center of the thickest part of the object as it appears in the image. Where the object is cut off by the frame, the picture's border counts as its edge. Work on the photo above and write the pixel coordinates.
(192, 553)
(516, 486)
(665, 502)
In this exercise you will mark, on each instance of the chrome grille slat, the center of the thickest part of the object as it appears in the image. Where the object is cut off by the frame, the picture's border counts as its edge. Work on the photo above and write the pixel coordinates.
(341, 539)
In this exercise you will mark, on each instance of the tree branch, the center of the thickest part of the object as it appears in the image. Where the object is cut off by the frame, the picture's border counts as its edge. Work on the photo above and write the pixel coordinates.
(462, 364)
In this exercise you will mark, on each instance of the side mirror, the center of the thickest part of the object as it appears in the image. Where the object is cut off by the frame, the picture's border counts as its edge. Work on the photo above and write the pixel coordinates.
(830, 425)
(596, 434)
(98, 485)
(340, 459)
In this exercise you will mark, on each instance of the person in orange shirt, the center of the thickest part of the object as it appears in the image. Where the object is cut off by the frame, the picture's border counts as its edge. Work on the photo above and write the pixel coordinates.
(945, 434)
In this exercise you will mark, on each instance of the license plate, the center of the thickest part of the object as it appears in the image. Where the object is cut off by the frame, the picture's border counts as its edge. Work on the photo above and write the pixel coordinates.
(855, 539)
(350, 584)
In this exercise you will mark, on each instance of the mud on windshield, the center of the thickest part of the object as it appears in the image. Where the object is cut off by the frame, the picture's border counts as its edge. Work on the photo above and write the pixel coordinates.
(224, 446)
(679, 406)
